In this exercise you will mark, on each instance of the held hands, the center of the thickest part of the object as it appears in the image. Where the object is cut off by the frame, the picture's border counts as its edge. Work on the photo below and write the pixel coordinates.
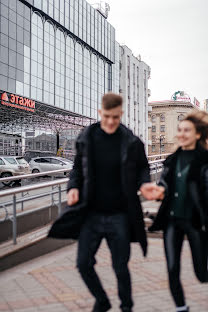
(152, 191)
(72, 196)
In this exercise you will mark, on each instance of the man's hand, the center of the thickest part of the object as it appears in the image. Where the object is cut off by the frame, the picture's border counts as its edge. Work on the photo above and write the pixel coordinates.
(72, 196)
(160, 193)
(152, 191)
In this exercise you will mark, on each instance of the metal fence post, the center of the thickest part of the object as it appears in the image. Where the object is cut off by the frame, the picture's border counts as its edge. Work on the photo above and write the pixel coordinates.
(22, 203)
(14, 220)
(59, 203)
(156, 172)
(52, 198)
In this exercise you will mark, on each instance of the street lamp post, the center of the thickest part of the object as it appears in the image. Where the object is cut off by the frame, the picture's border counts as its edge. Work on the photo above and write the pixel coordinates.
(161, 138)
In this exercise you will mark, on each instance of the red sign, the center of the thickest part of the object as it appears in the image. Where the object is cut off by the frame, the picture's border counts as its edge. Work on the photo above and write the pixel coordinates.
(18, 102)
(196, 102)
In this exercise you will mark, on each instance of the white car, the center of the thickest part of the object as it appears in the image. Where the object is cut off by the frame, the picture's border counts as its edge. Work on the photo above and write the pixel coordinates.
(43, 164)
(13, 166)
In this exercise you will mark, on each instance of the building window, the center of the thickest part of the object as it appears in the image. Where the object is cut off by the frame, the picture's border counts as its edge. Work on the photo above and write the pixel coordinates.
(162, 138)
(134, 74)
(153, 148)
(153, 118)
(162, 128)
(162, 117)
(162, 148)
(180, 117)
(153, 128)
(153, 138)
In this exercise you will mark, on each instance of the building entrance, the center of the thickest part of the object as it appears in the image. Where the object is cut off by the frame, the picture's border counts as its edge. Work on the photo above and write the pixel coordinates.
(31, 128)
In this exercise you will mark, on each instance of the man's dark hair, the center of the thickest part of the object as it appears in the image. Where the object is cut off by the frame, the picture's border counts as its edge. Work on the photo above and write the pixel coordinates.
(111, 100)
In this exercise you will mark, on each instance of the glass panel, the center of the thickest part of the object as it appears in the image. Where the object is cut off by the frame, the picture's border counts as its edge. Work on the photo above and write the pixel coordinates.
(37, 60)
(78, 78)
(80, 19)
(70, 73)
(67, 14)
(49, 46)
(87, 84)
(19, 87)
(94, 86)
(60, 69)
(37, 4)
(71, 15)
(62, 12)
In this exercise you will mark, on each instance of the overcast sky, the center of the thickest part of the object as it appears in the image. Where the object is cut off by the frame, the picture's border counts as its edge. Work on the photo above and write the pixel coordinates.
(172, 38)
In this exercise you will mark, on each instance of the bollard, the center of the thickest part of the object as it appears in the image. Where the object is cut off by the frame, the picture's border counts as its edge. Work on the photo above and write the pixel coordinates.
(14, 220)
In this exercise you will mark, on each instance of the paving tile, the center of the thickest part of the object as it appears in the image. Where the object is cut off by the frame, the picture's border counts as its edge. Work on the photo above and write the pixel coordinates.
(54, 285)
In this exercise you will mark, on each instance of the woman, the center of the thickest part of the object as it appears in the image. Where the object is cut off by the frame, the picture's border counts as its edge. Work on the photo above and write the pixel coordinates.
(184, 209)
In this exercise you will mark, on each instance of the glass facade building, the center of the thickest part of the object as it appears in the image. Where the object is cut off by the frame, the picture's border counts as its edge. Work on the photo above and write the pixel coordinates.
(57, 52)
(62, 54)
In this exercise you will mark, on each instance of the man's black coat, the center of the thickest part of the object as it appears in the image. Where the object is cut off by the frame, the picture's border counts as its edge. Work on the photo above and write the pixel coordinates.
(134, 172)
(197, 182)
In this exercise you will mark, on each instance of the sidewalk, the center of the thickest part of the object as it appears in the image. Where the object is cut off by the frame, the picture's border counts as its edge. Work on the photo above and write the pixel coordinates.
(52, 284)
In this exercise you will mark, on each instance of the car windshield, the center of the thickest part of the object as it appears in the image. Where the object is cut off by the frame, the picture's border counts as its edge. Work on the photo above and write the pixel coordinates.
(21, 161)
(11, 160)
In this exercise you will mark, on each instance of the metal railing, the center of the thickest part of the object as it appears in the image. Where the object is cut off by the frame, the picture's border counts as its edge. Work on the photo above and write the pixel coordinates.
(158, 156)
(155, 168)
(23, 199)
(34, 175)
(16, 191)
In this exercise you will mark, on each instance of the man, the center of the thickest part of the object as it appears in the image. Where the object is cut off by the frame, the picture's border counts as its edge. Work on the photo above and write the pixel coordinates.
(110, 167)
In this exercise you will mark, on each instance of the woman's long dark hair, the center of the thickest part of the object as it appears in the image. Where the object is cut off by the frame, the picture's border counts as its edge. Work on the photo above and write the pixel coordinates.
(200, 121)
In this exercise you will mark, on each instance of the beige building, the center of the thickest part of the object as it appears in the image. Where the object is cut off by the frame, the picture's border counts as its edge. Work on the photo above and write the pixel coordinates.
(164, 119)
(205, 105)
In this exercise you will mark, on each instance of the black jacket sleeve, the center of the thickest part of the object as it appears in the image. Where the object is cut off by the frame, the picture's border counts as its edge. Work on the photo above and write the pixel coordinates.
(76, 174)
(143, 171)
(162, 181)
(205, 182)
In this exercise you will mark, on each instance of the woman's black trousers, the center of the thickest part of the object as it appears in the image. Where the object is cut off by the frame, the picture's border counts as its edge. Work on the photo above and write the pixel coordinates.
(173, 241)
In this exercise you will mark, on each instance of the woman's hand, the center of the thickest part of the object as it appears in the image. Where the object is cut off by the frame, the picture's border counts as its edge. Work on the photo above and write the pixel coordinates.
(152, 191)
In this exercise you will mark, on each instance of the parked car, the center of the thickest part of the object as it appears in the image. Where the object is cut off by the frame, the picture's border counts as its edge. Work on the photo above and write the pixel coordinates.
(29, 154)
(13, 166)
(43, 164)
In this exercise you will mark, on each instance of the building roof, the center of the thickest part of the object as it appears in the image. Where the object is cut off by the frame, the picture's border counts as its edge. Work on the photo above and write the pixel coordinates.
(172, 103)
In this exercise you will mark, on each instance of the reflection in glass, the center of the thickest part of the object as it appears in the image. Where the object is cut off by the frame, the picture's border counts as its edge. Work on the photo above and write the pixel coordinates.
(60, 69)
(19, 87)
(37, 60)
(86, 86)
(94, 87)
(69, 73)
(49, 47)
(78, 78)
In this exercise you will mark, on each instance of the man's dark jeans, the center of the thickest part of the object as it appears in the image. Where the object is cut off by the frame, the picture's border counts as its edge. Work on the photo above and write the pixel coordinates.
(115, 229)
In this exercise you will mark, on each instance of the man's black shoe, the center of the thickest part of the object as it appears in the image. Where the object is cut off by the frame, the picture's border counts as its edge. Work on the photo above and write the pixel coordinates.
(101, 306)
(126, 310)
(186, 310)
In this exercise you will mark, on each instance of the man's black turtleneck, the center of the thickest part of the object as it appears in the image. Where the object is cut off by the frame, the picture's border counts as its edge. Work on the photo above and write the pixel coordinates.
(106, 150)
